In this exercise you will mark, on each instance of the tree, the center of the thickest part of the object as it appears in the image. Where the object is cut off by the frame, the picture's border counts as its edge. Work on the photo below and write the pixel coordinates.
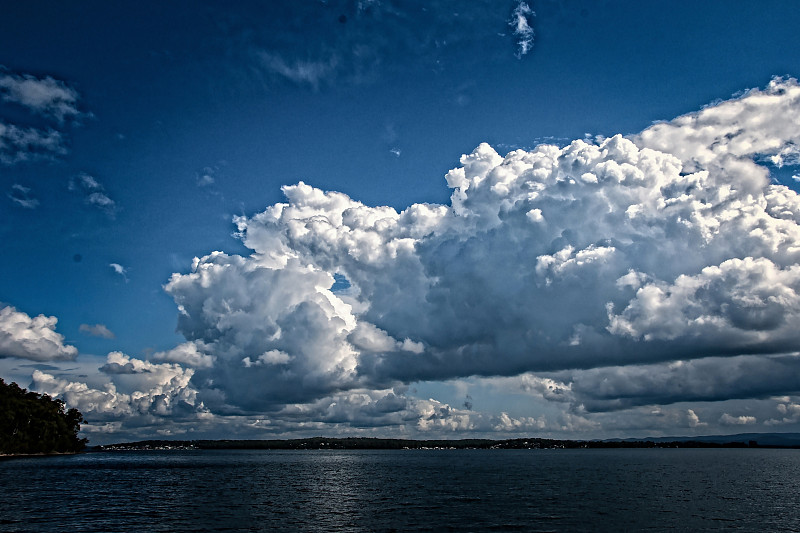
(37, 423)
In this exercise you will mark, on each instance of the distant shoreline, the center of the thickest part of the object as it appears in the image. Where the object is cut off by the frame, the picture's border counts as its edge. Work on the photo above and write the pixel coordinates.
(42, 454)
(365, 443)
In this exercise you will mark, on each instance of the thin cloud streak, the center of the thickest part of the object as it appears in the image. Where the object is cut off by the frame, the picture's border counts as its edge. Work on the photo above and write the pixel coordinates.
(45, 97)
(20, 144)
(93, 193)
(22, 196)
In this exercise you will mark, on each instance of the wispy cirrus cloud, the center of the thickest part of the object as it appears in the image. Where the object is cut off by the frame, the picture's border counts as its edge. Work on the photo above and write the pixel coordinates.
(21, 144)
(304, 72)
(521, 24)
(354, 42)
(45, 96)
(22, 196)
(206, 177)
(93, 193)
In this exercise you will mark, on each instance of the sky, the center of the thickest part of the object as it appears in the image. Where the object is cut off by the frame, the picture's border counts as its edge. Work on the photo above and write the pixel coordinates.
(403, 219)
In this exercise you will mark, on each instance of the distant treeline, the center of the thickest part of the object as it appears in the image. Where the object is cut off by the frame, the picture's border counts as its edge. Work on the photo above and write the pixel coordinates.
(363, 443)
(32, 423)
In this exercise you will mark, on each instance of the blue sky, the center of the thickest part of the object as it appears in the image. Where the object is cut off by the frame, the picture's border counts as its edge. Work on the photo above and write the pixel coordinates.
(132, 136)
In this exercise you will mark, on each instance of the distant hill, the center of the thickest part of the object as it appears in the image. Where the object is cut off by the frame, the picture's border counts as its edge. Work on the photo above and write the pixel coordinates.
(32, 423)
(744, 440)
(783, 440)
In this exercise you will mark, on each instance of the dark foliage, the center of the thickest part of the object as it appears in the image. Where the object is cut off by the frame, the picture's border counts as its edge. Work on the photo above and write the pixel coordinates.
(36, 423)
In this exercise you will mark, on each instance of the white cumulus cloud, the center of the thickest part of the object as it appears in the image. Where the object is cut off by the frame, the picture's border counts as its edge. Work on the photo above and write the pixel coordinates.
(32, 338)
(670, 245)
(626, 283)
(190, 354)
(136, 388)
(742, 420)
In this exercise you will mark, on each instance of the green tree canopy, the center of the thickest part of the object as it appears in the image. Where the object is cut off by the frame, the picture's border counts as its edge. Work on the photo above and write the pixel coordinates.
(36, 423)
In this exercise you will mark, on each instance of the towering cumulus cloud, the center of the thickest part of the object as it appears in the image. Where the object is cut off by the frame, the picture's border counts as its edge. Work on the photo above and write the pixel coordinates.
(669, 245)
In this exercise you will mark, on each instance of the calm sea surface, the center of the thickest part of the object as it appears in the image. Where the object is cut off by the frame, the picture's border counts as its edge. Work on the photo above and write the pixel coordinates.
(414, 490)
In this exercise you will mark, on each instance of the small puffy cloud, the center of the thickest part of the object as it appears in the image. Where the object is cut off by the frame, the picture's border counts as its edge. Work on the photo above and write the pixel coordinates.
(32, 338)
(789, 408)
(44, 96)
(547, 388)
(93, 193)
(205, 178)
(192, 354)
(789, 412)
(693, 419)
(22, 196)
(525, 424)
(520, 23)
(85, 181)
(272, 357)
(97, 330)
(438, 416)
(101, 201)
(742, 420)
(119, 270)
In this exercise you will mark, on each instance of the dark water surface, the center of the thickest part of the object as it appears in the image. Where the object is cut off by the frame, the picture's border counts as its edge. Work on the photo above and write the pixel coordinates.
(413, 490)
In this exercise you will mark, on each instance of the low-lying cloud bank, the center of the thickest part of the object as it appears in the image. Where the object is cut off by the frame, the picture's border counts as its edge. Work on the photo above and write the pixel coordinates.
(652, 269)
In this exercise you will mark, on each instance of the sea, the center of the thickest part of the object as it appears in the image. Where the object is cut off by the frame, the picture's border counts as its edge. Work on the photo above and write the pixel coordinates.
(404, 490)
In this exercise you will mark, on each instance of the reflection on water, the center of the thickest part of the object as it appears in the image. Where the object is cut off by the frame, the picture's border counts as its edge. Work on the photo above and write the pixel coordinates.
(413, 490)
